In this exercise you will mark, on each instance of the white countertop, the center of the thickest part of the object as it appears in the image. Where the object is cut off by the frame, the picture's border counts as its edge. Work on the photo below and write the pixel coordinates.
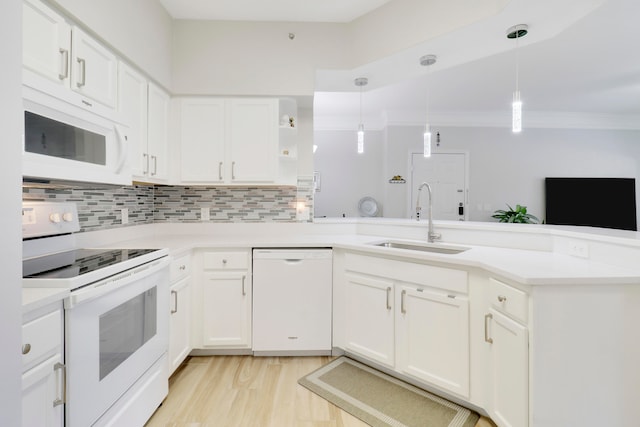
(612, 259)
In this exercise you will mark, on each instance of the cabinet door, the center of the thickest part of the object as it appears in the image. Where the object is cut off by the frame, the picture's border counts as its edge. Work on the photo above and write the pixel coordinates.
(226, 310)
(157, 132)
(509, 371)
(42, 394)
(253, 139)
(202, 141)
(369, 322)
(46, 42)
(179, 323)
(94, 70)
(132, 103)
(433, 337)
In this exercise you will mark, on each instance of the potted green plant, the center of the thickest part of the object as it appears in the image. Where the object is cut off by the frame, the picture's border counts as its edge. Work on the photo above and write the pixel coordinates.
(517, 215)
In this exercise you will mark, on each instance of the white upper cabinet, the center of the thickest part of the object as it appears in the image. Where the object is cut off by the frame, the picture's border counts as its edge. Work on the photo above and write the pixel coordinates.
(46, 42)
(228, 140)
(58, 56)
(132, 103)
(253, 139)
(157, 134)
(203, 140)
(94, 69)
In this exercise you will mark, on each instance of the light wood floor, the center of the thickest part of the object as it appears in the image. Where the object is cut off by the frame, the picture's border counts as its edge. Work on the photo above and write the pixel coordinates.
(234, 391)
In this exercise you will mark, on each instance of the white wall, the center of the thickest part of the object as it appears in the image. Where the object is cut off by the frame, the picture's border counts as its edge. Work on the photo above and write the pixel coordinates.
(254, 58)
(507, 168)
(10, 194)
(140, 30)
(347, 176)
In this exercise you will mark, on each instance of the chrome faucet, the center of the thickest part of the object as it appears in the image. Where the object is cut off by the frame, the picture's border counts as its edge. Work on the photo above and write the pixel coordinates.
(431, 236)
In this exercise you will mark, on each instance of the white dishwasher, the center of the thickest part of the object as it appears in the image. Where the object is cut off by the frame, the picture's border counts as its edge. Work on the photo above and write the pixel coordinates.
(292, 291)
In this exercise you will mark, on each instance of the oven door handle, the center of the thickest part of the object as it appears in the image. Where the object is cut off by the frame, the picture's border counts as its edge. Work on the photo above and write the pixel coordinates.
(115, 282)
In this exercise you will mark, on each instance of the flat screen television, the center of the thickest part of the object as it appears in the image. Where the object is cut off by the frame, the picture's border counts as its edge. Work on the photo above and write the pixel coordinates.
(595, 202)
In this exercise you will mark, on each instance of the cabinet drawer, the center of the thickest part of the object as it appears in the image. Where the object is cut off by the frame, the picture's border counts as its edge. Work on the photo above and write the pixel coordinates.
(180, 267)
(41, 338)
(508, 299)
(226, 260)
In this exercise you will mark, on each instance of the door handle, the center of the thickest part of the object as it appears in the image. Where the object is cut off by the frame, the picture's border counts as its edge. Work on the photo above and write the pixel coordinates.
(244, 291)
(175, 302)
(388, 297)
(63, 381)
(83, 70)
(402, 307)
(233, 170)
(220, 171)
(487, 318)
(145, 160)
(64, 57)
(460, 209)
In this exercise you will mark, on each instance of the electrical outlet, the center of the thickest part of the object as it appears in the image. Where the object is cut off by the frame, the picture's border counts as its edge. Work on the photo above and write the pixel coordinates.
(124, 214)
(578, 248)
(204, 214)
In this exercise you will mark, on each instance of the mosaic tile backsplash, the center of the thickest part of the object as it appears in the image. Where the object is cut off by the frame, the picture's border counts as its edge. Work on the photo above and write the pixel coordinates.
(100, 207)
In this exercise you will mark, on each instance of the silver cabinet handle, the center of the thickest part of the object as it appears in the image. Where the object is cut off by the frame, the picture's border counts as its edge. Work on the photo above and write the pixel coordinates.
(233, 170)
(64, 57)
(244, 291)
(224, 262)
(26, 348)
(220, 171)
(402, 308)
(183, 267)
(155, 165)
(175, 302)
(502, 298)
(487, 318)
(63, 381)
(83, 72)
(388, 298)
(145, 160)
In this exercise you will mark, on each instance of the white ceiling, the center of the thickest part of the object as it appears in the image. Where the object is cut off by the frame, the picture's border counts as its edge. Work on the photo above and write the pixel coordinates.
(271, 10)
(581, 58)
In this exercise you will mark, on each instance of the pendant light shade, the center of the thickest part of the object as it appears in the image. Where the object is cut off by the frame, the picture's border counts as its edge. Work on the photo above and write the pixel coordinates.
(427, 60)
(360, 82)
(516, 32)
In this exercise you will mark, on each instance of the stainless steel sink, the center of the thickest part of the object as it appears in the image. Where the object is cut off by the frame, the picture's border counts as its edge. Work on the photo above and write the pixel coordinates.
(424, 247)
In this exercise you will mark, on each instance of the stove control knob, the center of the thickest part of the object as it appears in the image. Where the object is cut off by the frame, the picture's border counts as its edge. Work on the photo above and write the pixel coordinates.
(67, 216)
(54, 217)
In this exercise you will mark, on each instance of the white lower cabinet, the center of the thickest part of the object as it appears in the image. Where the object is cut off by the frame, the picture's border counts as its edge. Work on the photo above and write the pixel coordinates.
(369, 322)
(179, 323)
(224, 300)
(180, 310)
(411, 317)
(508, 341)
(433, 337)
(43, 373)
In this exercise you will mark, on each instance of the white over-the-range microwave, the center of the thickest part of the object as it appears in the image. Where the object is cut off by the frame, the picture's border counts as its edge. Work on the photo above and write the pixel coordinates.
(64, 141)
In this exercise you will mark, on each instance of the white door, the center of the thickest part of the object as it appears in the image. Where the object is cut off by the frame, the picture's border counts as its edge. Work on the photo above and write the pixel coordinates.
(46, 42)
(95, 69)
(202, 142)
(369, 318)
(253, 138)
(510, 374)
(446, 174)
(132, 103)
(158, 132)
(226, 310)
(433, 337)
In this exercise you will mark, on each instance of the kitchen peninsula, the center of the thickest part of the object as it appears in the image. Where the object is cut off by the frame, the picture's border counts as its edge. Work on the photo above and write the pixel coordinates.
(538, 319)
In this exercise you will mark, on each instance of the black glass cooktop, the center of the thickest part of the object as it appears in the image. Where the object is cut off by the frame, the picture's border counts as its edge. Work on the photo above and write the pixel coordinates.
(70, 264)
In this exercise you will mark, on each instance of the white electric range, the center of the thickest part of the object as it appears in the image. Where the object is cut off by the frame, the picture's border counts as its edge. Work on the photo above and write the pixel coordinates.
(116, 317)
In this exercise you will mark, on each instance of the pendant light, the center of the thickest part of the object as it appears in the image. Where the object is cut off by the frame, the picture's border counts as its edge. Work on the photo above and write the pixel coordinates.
(426, 61)
(360, 82)
(516, 32)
